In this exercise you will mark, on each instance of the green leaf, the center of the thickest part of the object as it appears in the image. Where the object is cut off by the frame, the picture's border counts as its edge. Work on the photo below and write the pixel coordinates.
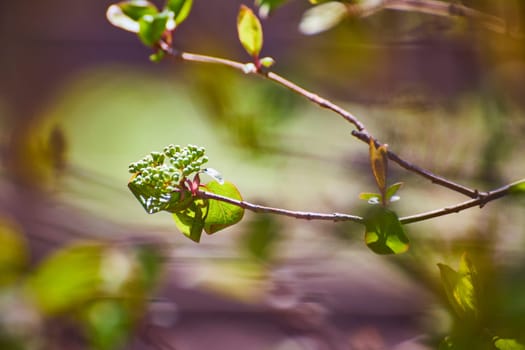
(322, 17)
(261, 237)
(151, 27)
(392, 190)
(384, 233)
(67, 278)
(126, 14)
(181, 8)
(379, 164)
(190, 221)
(460, 288)
(250, 31)
(107, 323)
(507, 344)
(371, 198)
(221, 214)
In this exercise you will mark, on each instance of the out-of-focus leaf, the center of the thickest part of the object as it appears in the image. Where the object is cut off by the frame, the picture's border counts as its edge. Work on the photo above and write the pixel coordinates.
(243, 280)
(250, 31)
(107, 323)
(67, 278)
(460, 288)
(126, 14)
(190, 221)
(181, 8)
(322, 17)
(151, 27)
(507, 344)
(220, 214)
(384, 232)
(13, 252)
(261, 237)
(266, 7)
(150, 262)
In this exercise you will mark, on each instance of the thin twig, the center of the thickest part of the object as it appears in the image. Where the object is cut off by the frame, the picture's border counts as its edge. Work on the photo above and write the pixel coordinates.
(294, 214)
(360, 133)
(480, 201)
(337, 217)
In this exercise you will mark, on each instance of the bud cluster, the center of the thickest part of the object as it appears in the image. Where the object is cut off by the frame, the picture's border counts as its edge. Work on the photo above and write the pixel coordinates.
(165, 171)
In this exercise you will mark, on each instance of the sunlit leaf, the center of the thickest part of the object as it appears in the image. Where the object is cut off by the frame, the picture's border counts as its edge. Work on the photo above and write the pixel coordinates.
(221, 214)
(67, 278)
(126, 14)
(392, 190)
(371, 198)
(190, 221)
(460, 288)
(379, 163)
(507, 344)
(250, 31)
(384, 232)
(322, 17)
(181, 8)
(13, 252)
(151, 27)
(215, 174)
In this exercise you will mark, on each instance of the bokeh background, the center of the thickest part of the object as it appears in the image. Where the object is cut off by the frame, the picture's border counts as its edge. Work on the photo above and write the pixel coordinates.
(79, 101)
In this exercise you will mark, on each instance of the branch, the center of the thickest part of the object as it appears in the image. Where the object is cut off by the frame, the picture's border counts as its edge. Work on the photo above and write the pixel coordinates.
(360, 133)
(294, 214)
(481, 201)
(339, 217)
(436, 8)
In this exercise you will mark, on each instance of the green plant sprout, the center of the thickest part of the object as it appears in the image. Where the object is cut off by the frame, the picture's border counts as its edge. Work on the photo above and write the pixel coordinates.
(170, 181)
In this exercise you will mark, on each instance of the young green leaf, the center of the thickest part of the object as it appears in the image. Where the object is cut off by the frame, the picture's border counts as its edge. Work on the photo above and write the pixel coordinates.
(151, 27)
(181, 8)
(126, 14)
(460, 288)
(392, 190)
(190, 221)
(250, 31)
(371, 198)
(221, 214)
(384, 232)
